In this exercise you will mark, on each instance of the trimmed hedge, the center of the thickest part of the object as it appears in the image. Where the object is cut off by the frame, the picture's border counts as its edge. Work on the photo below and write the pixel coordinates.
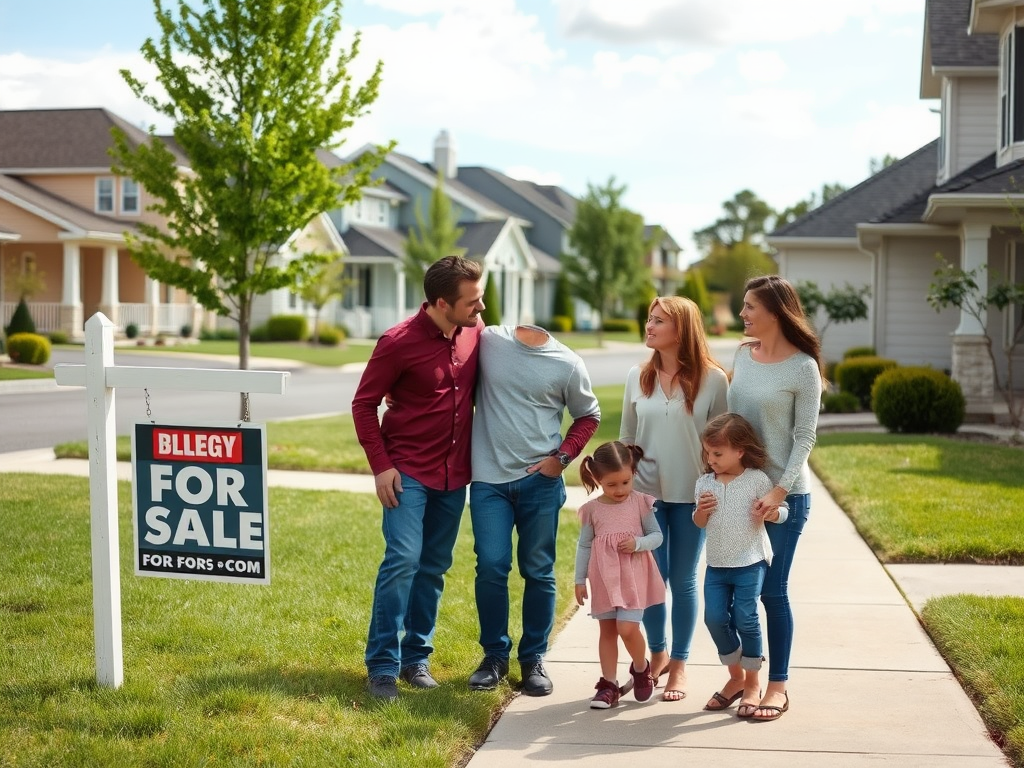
(28, 348)
(287, 328)
(917, 399)
(857, 374)
(620, 325)
(859, 352)
(840, 402)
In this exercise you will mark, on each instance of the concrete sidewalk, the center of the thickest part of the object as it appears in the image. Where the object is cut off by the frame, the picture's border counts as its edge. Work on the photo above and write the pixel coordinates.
(867, 686)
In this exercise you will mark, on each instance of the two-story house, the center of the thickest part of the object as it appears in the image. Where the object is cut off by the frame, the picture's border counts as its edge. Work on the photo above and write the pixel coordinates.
(959, 197)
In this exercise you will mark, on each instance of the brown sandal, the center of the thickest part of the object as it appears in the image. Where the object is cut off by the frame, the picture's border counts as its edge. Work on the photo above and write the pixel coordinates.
(723, 702)
(776, 712)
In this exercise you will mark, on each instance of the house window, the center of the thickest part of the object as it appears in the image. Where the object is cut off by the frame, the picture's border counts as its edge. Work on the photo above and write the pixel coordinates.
(129, 196)
(382, 211)
(105, 195)
(1011, 90)
(1015, 274)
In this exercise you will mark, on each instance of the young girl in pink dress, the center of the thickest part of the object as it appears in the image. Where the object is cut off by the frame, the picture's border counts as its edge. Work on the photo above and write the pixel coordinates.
(619, 530)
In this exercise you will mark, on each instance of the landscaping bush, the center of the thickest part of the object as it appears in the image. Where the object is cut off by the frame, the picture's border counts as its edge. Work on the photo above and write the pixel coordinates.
(28, 348)
(857, 374)
(21, 320)
(560, 324)
(131, 330)
(329, 336)
(186, 331)
(840, 402)
(287, 328)
(917, 399)
(620, 325)
(859, 352)
(259, 333)
(219, 334)
(58, 337)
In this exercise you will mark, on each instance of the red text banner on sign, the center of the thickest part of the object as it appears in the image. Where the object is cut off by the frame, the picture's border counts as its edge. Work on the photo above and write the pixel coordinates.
(212, 446)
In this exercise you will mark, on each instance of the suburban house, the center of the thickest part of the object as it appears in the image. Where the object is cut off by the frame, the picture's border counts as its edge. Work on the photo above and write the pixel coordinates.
(957, 198)
(65, 214)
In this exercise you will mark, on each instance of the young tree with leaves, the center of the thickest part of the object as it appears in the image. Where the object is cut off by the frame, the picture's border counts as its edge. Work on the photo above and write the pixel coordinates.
(255, 89)
(432, 239)
(607, 262)
(958, 288)
(321, 284)
(841, 305)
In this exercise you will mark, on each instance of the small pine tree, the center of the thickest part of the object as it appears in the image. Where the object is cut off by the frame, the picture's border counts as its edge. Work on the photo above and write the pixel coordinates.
(696, 290)
(563, 304)
(21, 320)
(492, 304)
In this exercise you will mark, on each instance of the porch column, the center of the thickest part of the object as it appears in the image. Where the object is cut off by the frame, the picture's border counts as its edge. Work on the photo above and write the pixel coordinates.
(399, 294)
(71, 320)
(526, 300)
(109, 299)
(972, 368)
(153, 304)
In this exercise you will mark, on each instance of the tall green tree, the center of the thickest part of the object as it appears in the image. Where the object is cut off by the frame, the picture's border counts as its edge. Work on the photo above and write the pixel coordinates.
(840, 305)
(434, 238)
(795, 211)
(255, 88)
(607, 260)
(727, 269)
(745, 220)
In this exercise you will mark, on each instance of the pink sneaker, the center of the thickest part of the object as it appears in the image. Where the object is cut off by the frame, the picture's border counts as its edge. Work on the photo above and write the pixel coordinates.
(607, 695)
(643, 681)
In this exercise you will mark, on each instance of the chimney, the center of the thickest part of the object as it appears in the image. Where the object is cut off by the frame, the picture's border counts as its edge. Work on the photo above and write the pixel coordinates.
(444, 155)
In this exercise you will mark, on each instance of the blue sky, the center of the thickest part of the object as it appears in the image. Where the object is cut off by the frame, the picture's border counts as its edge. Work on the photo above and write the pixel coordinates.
(686, 102)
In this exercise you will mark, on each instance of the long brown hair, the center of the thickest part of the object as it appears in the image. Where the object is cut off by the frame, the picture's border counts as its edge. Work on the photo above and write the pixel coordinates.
(692, 351)
(781, 299)
(609, 457)
(735, 431)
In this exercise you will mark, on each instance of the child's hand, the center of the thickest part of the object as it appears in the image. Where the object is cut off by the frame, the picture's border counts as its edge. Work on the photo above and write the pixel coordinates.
(627, 546)
(581, 593)
(706, 506)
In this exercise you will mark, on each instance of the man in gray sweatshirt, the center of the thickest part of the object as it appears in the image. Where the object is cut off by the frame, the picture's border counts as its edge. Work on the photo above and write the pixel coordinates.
(526, 382)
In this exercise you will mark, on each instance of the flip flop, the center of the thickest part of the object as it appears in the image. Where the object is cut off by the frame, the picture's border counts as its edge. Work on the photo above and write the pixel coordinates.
(723, 702)
(776, 712)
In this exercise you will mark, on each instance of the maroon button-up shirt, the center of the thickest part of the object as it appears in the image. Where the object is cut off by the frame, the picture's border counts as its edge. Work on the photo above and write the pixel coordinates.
(426, 433)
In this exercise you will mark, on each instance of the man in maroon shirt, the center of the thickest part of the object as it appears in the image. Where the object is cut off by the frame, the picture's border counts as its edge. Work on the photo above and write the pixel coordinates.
(420, 456)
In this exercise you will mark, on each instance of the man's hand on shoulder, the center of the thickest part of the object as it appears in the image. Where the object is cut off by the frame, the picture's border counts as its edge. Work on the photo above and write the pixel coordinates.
(389, 485)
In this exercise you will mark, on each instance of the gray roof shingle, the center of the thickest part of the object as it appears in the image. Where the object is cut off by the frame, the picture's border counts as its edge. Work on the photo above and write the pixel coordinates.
(950, 44)
(873, 198)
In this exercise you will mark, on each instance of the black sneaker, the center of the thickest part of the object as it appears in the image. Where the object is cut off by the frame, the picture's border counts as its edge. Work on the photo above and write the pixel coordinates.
(383, 687)
(535, 680)
(418, 676)
(488, 674)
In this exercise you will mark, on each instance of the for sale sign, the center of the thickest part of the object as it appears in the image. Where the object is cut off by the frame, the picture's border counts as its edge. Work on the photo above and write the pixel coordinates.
(200, 502)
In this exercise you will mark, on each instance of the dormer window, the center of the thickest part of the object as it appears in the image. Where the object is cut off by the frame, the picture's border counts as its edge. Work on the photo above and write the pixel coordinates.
(105, 195)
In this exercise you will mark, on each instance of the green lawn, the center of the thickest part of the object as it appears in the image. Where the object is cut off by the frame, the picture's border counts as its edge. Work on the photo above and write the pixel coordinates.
(10, 373)
(225, 674)
(920, 498)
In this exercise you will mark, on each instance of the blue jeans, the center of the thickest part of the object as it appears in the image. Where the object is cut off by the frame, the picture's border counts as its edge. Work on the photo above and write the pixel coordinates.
(730, 612)
(677, 561)
(419, 536)
(530, 505)
(775, 592)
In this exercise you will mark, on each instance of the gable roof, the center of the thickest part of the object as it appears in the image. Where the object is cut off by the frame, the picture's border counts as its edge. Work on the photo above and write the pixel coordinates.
(667, 241)
(873, 198)
(478, 237)
(454, 188)
(473, 176)
(35, 140)
(363, 240)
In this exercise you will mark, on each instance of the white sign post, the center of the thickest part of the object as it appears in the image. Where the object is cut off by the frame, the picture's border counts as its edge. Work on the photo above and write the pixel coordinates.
(101, 378)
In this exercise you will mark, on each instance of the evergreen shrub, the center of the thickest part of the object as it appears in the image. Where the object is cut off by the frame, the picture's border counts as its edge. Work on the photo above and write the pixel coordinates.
(857, 374)
(21, 320)
(560, 324)
(859, 352)
(917, 399)
(28, 348)
(840, 402)
(287, 328)
(620, 325)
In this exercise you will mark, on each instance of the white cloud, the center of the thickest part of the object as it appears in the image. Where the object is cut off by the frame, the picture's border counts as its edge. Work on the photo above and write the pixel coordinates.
(714, 22)
(761, 66)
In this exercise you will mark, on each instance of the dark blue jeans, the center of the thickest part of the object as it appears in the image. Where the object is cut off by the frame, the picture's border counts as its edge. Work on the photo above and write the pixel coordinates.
(677, 559)
(531, 506)
(730, 612)
(775, 592)
(419, 536)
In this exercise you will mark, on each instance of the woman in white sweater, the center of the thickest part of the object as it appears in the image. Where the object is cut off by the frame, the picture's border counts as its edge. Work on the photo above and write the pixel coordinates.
(667, 402)
(776, 386)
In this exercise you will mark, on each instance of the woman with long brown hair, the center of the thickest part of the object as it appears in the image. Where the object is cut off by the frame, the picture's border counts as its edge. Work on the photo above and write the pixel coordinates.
(667, 402)
(776, 385)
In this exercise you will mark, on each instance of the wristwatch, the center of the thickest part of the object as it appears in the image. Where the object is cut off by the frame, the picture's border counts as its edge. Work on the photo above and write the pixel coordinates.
(564, 459)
